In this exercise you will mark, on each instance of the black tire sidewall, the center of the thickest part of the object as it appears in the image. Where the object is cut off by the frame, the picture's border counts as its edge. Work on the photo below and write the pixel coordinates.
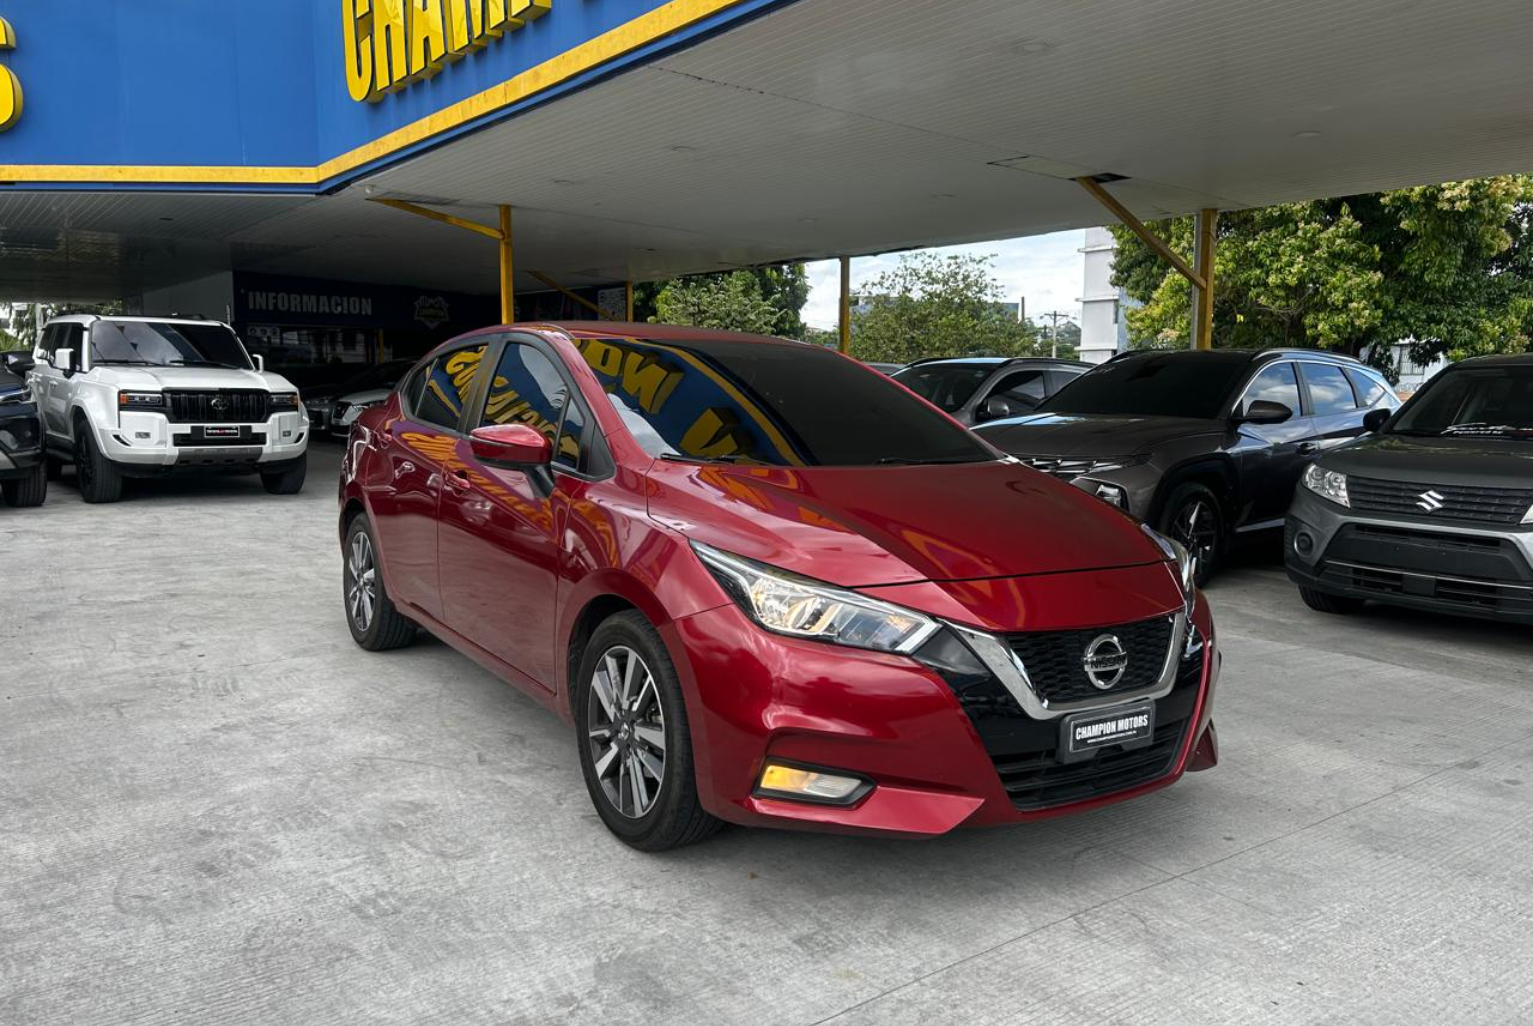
(1180, 496)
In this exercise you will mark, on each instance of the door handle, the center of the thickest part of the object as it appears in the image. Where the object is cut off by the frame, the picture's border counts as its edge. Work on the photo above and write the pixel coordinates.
(458, 479)
(1308, 448)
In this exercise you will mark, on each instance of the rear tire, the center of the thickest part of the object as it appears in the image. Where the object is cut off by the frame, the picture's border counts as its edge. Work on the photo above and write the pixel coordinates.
(97, 476)
(618, 724)
(31, 490)
(289, 481)
(1325, 602)
(375, 623)
(1192, 516)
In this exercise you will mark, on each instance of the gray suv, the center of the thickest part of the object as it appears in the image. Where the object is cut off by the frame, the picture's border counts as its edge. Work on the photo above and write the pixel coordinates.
(976, 389)
(1434, 510)
(1199, 444)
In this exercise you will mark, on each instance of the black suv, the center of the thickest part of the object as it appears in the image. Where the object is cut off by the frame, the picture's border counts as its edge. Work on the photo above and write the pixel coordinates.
(1435, 510)
(976, 389)
(23, 471)
(1199, 444)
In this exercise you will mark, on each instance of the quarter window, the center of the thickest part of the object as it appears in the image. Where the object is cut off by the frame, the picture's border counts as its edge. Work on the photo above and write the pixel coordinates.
(1275, 384)
(1371, 391)
(446, 386)
(1329, 389)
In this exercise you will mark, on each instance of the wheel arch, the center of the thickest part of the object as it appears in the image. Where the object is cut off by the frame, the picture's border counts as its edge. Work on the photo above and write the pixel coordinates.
(597, 597)
(1216, 473)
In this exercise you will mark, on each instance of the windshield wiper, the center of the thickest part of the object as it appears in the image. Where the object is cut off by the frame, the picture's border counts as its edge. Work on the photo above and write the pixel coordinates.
(127, 363)
(908, 461)
(733, 457)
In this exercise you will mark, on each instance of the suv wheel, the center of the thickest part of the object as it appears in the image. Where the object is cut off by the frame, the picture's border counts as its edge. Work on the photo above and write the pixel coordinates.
(27, 491)
(1192, 516)
(635, 748)
(98, 479)
(375, 624)
(1324, 602)
(289, 481)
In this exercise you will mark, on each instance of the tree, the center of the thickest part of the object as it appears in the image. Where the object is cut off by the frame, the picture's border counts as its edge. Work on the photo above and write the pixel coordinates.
(931, 305)
(1447, 267)
(784, 287)
(733, 302)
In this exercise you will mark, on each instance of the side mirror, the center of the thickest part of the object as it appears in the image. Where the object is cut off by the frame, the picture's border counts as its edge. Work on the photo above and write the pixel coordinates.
(64, 361)
(1265, 411)
(1375, 419)
(260, 362)
(19, 362)
(511, 445)
(996, 407)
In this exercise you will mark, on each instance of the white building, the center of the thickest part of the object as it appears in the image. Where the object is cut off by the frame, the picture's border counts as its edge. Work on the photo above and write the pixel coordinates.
(1104, 331)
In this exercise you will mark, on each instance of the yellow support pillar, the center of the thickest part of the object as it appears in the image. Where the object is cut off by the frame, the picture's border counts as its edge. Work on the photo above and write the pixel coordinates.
(628, 301)
(846, 304)
(507, 287)
(1203, 292)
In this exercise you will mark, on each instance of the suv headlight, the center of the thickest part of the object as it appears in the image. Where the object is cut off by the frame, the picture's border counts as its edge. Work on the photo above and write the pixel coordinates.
(140, 400)
(1327, 484)
(285, 401)
(17, 397)
(786, 603)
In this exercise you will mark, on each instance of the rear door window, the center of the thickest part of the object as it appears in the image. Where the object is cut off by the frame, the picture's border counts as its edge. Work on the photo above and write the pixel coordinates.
(1329, 390)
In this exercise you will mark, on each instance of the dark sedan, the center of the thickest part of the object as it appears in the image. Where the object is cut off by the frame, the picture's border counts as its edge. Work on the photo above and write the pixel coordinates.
(1200, 444)
(976, 389)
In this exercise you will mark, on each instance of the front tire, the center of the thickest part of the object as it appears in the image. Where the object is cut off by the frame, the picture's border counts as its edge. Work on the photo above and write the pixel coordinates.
(98, 478)
(375, 623)
(1192, 515)
(31, 490)
(1325, 602)
(635, 746)
(289, 481)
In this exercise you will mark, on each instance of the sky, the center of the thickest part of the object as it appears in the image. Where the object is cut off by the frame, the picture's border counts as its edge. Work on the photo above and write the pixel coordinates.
(1045, 269)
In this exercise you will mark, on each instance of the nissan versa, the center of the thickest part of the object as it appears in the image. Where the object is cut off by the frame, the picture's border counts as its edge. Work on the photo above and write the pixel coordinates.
(770, 586)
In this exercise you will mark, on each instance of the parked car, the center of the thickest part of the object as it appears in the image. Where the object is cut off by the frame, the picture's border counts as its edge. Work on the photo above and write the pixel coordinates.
(1200, 444)
(368, 385)
(885, 368)
(23, 471)
(143, 396)
(720, 557)
(976, 389)
(1434, 510)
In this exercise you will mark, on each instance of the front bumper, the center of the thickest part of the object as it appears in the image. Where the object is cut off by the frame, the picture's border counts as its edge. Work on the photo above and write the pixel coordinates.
(941, 752)
(150, 443)
(1413, 562)
(21, 441)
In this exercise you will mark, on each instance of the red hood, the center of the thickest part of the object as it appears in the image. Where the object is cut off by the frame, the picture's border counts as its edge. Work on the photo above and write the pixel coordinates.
(864, 526)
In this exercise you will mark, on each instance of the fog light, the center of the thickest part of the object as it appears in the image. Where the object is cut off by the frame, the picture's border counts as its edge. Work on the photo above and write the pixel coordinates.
(783, 781)
(1111, 494)
(1303, 543)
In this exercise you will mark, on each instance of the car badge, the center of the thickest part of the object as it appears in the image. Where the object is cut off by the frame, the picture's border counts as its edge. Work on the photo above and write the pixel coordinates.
(1430, 501)
(1105, 661)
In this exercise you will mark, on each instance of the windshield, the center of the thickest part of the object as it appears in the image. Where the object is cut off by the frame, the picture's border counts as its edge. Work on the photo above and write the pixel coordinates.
(164, 344)
(1159, 385)
(1482, 401)
(948, 385)
(775, 404)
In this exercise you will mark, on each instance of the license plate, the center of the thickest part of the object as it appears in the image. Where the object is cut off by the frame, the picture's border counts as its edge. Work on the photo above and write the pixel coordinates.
(1128, 726)
(221, 432)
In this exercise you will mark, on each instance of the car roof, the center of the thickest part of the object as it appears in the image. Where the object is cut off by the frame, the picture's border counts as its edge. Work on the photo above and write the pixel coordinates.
(1495, 360)
(92, 318)
(996, 361)
(1243, 355)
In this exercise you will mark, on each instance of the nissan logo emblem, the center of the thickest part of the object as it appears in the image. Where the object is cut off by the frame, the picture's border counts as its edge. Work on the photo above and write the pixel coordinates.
(1104, 661)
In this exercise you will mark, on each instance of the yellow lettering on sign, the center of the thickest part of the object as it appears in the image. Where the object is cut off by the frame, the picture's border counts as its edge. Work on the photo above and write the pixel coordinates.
(10, 85)
(389, 44)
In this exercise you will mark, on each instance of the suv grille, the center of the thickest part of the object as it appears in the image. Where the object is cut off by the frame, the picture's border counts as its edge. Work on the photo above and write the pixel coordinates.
(1068, 469)
(1458, 502)
(1054, 660)
(224, 406)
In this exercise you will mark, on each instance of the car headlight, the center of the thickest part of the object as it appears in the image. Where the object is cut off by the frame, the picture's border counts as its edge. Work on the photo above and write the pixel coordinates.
(285, 401)
(1328, 484)
(786, 603)
(140, 400)
(16, 397)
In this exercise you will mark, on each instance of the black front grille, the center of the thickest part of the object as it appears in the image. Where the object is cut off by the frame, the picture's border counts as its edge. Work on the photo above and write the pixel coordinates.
(1040, 780)
(1453, 502)
(224, 406)
(1430, 553)
(1055, 660)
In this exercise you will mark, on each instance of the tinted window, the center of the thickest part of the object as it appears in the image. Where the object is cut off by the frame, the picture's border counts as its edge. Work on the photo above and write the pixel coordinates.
(772, 403)
(446, 385)
(570, 450)
(163, 343)
(1371, 389)
(1024, 387)
(412, 389)
(1275, 384)
(528, 389)
(1155, 385)
(948, 385)
(50, 341)
(1485, 401)
(1329, 390)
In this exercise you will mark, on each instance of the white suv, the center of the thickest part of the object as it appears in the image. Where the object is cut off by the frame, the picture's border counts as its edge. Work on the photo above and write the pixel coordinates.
(144, 396)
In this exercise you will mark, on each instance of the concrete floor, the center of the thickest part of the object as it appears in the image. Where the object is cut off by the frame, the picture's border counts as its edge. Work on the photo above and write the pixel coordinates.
(215, 808)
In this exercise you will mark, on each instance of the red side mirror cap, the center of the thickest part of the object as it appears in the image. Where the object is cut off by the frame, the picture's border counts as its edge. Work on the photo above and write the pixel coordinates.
(511, 445)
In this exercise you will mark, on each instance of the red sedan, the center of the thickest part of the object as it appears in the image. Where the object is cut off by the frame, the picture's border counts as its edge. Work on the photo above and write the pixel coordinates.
(770, 586)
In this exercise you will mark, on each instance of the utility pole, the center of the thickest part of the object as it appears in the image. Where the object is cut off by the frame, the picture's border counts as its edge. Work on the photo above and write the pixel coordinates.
(1055, 316)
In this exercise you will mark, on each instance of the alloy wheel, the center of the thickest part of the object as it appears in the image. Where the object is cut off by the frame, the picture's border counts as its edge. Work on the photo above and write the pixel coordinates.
(361, 581)
(625, 728)
(1197, 528)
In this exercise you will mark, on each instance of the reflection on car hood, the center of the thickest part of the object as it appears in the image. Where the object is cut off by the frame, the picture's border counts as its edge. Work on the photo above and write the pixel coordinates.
(865, 526)
(367, 395)
(201, 378)
(1064, 434)
(1490, 462)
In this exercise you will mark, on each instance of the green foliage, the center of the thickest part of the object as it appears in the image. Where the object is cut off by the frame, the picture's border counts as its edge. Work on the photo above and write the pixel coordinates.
(1449, 267)
(937, 306)
(728, 300)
